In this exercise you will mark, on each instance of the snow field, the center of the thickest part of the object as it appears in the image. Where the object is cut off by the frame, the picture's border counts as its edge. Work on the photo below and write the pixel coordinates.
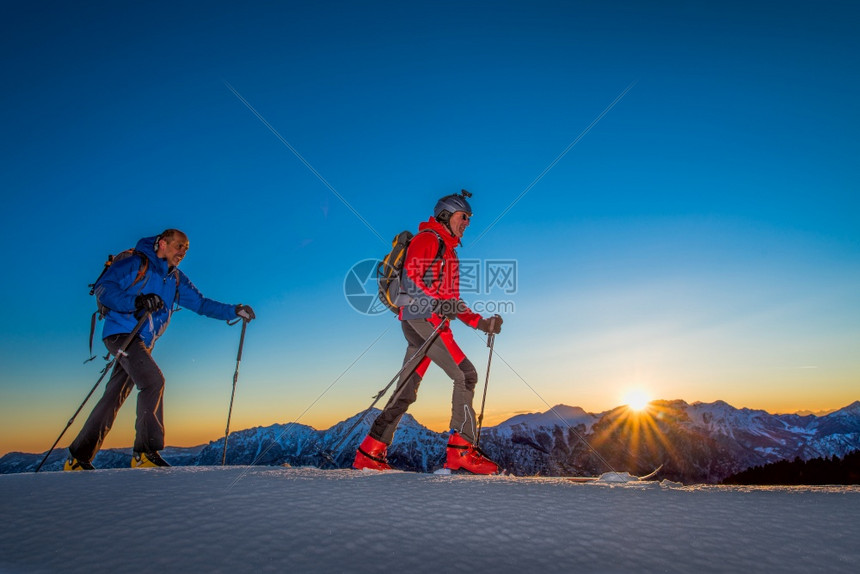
(256, 519)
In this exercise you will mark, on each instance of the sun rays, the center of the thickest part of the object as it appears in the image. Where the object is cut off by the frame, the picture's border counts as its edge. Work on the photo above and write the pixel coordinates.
(634, 434)
(636, 399)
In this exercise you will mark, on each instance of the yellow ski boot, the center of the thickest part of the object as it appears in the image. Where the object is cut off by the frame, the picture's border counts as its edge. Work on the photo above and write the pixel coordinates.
(147, 460)
(74, 464)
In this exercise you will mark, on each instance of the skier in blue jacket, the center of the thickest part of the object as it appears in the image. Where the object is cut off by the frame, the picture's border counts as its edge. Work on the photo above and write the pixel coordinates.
(128, 295)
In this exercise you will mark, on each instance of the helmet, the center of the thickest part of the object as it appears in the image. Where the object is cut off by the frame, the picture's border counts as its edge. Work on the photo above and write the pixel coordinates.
(448, 205)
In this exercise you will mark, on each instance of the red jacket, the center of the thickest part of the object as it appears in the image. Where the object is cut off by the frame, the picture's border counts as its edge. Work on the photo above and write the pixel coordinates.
(427, 279)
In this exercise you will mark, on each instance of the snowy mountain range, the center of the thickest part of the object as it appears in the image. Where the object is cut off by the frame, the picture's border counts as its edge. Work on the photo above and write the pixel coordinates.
(695, 443)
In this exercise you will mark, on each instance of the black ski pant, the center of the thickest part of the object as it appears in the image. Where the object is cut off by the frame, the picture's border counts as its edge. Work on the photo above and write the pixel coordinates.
(135, 367)
(448, 355)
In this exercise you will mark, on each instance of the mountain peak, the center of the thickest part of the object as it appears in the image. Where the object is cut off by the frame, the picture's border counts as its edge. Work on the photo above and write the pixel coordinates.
(851, 410)
(554, 416)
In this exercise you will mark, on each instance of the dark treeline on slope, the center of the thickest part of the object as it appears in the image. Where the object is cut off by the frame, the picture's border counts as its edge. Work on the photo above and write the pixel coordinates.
(832, 470)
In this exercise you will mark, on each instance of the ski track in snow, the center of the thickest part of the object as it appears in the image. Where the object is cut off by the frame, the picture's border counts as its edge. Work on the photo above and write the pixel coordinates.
(256, 519)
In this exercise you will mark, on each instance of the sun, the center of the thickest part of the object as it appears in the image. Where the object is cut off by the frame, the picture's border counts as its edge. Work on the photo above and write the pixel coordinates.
(636, 399)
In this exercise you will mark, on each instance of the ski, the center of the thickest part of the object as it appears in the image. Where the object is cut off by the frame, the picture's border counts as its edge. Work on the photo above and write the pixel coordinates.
(608, 477)
(651, 474)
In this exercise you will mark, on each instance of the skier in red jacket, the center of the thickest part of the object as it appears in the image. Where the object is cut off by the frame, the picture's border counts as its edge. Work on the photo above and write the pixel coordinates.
(431, 284)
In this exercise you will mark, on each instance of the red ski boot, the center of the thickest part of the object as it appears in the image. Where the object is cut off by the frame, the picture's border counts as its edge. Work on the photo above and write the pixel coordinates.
(462, 455)
(371, 455)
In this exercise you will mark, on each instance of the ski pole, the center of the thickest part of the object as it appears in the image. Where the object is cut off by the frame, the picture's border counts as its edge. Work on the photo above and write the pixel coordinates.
(491, 340)
(422, 351)
(233, 394)
(108, 367)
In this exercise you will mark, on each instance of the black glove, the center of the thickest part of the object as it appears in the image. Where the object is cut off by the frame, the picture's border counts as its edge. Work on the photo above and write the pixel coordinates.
(491, 326)
(245, 313)
(449, 308)
(147, 303)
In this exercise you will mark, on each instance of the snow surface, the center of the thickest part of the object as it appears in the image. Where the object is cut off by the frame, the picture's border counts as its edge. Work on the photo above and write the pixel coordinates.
(271, 519)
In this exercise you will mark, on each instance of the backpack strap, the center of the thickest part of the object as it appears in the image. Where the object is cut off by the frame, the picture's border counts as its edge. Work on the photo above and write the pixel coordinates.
(440, 254)
(176, 306)
(99, 313)
(92, 332)
(144, 266)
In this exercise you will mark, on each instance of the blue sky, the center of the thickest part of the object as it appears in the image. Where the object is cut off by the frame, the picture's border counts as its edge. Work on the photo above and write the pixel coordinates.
(701, 239)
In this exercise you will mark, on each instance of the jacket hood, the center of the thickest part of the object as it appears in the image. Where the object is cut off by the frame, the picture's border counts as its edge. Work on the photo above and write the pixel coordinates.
(449, 238)
(146, 246)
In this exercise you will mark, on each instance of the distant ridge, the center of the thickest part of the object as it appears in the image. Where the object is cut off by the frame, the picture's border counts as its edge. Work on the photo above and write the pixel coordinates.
(813, 413)
(695, 443)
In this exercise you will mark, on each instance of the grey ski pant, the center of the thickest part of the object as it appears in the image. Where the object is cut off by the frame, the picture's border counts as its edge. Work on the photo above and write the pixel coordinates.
(444, 352)
(134, 368)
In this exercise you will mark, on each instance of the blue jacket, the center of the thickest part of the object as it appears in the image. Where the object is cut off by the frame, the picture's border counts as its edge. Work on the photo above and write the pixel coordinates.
(116, 292)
